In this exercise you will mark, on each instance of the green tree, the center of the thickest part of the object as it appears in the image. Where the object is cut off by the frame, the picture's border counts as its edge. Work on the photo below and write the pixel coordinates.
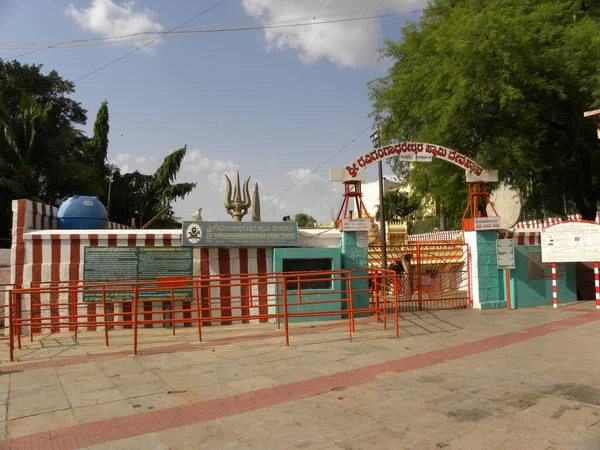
(397, 206)
(140, 196)
(40, 148)
(97, 146)
(505, 82)
(304, 220)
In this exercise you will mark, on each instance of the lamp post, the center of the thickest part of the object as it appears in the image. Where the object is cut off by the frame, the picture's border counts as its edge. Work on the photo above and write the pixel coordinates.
(110, 180)
(376, 140)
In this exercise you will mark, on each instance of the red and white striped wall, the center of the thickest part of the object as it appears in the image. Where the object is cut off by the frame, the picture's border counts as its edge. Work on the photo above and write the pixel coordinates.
(41, 253)
(528, 224)
(597, 285)
(522, 238)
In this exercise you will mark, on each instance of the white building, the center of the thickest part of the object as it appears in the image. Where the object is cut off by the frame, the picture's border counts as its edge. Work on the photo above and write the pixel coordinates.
(370, 193)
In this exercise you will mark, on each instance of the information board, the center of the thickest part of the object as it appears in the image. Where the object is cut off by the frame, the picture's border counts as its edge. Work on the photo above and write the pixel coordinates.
(487, 223)
(118, 263)
(571, 242)
(362, 239)
(505, 253)
(240, 234)
(356, 224)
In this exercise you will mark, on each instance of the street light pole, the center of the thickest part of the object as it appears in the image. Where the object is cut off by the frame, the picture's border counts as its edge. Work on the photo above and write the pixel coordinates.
(376, 140)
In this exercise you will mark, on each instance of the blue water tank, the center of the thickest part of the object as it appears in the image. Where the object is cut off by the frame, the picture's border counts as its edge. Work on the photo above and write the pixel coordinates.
(82, 213)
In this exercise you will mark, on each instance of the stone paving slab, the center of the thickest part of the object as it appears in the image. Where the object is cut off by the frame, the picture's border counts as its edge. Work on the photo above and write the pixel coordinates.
(500, 392)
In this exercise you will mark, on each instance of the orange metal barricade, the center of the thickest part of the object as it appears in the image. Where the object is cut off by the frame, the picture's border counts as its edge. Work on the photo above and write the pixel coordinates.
(130, 304)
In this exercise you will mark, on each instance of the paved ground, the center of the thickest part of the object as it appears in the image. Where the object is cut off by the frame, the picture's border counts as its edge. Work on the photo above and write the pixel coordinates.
(525, 379)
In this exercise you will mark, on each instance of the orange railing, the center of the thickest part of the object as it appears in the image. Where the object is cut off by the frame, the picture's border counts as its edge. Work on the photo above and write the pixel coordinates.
(200, 301)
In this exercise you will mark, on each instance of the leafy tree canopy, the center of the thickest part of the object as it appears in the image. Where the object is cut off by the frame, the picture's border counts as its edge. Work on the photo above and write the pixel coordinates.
(397, 206)
(304, 220)
(505, 82)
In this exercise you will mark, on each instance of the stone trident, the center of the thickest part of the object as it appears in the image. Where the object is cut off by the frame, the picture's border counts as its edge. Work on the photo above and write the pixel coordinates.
(237, 207)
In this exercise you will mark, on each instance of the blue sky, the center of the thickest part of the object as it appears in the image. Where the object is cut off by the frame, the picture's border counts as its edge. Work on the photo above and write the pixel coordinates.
(276, 103)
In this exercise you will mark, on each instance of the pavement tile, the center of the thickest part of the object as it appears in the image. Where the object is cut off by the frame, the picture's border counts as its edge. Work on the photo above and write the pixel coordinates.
(157, 401)
(536, 428)
(141, 389)
(294, 437)
(36, 401)
(353, 396)
(142, 442)
(211, 434)
(252, 383)
(95, 397)
(41, 422)
(383, 439)
(585, 440)
(119, 408)
(313, 408)
(343, 425)
(257, 424)
(488, 438)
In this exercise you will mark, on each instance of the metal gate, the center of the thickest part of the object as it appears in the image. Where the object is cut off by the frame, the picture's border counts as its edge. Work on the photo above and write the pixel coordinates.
(430, 275)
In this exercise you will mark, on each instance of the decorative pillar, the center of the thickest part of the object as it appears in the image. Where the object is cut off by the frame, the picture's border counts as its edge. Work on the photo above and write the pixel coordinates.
(355, 255)
(485, 282)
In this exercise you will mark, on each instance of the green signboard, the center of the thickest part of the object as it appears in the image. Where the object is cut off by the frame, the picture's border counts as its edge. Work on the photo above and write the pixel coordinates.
(111, 264)
(239, 234)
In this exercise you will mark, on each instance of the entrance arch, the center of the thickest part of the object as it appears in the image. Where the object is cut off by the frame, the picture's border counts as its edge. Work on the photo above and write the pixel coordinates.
(477, 177)
(413, 152)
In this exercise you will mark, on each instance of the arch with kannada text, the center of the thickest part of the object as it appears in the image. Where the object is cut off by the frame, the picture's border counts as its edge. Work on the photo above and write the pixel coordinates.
(412, 152)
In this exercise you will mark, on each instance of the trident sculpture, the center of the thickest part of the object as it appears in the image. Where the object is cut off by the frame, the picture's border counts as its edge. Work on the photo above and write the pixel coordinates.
(237, 207)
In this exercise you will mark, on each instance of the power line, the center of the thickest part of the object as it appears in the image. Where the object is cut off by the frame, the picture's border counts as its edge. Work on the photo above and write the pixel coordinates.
(150, 42)
(213, 30)
(140, 35)
(319, 166)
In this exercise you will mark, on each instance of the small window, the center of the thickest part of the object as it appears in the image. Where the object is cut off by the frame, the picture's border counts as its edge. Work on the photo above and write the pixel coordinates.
(314, 280)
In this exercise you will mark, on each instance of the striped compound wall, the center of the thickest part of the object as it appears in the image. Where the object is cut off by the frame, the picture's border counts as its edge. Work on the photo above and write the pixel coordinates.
(41, 253)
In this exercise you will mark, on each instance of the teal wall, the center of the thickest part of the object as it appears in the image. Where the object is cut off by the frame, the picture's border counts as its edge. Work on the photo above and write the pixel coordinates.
(308, 295)
(531, 293)
(354, 257)
(491, 291)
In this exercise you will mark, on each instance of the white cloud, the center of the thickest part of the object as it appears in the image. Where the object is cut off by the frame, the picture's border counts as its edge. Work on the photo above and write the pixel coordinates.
(108, 18)
(347, 44)
(130, 163)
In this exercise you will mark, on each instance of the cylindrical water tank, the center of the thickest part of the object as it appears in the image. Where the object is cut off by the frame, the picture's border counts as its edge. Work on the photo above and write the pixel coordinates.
(81, 212)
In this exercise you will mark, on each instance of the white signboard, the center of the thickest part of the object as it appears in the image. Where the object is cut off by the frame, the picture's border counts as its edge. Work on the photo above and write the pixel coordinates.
(362, 239)
(487, 223)
(356, 224)
(505, 253)
(571, 242)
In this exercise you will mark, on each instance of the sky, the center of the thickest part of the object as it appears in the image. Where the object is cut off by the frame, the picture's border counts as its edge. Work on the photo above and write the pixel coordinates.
(274, 103)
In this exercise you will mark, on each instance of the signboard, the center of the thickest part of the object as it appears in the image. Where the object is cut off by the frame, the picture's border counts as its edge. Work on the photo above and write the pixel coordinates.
(571, 242)
(487, 223)
(239, 234)
(356, 224)
(505, 253)
(412, 152)
(115, 263)
(362, 239)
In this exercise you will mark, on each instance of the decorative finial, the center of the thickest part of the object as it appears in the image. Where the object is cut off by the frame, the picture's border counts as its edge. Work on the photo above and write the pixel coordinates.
(197, 217)
(237, 206)
(255, 204)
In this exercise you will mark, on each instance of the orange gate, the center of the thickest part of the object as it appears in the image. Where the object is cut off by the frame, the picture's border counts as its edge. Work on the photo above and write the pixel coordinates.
(430, 275)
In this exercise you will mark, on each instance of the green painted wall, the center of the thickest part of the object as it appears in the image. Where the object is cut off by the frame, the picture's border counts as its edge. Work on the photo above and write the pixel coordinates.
(491, 292)
(308, 295)
(531, 293)
(354, 257)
